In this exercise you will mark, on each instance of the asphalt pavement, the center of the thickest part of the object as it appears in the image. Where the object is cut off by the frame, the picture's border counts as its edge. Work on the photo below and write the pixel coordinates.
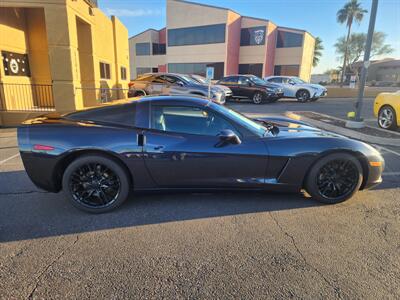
(200, 245)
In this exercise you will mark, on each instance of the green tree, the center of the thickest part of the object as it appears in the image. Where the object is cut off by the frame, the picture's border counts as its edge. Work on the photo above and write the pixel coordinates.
(349, 13)
(318, 47)
(355, 47)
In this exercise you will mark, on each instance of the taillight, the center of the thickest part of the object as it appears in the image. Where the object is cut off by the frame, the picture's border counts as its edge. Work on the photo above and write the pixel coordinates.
(43, 147)
(131, 84)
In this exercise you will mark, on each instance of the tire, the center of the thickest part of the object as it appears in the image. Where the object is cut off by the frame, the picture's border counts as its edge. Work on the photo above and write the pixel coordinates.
(387, 118)
(258, 98)
(303, 96)
(104, 179)
(323, 178)
(140, 94)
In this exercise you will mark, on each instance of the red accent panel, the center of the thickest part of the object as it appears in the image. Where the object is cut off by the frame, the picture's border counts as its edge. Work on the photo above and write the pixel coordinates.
(270, 52)
(43, 147)
(162, 36)
(162, 68)
(233, 47)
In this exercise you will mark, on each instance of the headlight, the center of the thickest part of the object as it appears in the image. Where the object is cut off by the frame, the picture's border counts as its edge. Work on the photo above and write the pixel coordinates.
(270, 90)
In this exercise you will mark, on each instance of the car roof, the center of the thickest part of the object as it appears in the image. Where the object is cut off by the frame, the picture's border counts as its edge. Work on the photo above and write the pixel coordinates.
(173, 98)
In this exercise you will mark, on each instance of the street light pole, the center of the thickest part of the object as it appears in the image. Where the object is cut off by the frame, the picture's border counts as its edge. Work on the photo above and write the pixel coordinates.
(366, 61)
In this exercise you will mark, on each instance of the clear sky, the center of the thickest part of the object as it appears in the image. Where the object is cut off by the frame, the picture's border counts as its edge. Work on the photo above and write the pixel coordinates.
(316, 16)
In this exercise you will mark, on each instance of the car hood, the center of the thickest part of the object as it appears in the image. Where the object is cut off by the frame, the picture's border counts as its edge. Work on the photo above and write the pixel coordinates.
(290, 128)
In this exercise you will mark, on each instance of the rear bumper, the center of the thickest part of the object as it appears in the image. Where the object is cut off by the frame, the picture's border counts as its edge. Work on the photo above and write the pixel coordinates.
(41, 170)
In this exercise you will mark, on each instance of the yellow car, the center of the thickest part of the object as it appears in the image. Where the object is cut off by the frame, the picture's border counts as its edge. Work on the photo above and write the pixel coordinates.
(387, 110)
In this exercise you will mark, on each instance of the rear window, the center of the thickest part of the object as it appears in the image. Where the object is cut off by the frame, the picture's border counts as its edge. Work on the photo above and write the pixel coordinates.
(119, 114)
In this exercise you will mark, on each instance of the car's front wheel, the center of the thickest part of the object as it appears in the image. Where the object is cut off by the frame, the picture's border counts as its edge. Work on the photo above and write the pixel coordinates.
(258, 98)
(303, 96)
(387, 118)
(334, 178)
(96, 183)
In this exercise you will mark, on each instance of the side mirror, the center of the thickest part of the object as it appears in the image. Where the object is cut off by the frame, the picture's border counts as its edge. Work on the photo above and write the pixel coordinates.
(228, 136)
(180, 83)
(292, 82)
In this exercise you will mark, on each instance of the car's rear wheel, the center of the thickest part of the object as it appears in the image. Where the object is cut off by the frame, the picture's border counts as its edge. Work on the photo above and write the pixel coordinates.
(140, 93)
(258, 98)
(387, 118)
(303, 96)
(334, 178)
(96, 183)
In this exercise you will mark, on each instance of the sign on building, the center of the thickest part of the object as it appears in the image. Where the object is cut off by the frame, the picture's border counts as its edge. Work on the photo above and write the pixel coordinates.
(15, 64)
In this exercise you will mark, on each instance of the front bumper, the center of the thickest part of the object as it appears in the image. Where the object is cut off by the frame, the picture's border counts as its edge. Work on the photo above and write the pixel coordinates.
(274, 95)
(320, 94)
(374, 176)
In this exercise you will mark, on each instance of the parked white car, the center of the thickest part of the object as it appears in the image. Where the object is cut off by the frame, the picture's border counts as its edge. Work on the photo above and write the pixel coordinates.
(294, 87)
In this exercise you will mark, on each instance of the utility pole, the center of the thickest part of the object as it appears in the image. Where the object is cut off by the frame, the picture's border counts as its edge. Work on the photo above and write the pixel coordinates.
(366, 62)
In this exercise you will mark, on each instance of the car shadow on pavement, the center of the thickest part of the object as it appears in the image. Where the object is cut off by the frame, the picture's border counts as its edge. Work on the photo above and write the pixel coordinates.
(28, 213)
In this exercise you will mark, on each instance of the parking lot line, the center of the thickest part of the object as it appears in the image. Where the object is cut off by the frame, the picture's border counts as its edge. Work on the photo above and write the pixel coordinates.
(9, 158)
(387, 150)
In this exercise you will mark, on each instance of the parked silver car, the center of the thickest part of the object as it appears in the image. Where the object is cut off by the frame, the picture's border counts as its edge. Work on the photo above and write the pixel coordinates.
(172, 84)
(203, 80)
(294, 87)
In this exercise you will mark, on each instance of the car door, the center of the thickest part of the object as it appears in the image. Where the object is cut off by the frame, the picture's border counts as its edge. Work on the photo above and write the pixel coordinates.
(245, 90)
(182, 149)
(157, 85)
(174, 85)
(232, 83)
(289, 87)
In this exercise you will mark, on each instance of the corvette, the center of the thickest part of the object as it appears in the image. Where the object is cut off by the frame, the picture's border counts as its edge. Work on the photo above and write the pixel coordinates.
(98, 156)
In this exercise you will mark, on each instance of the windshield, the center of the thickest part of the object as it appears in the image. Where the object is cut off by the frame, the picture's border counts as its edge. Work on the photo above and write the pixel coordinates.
(257, 80)
(188, 79)
(199, 78)
(297, 80)
(249, 124)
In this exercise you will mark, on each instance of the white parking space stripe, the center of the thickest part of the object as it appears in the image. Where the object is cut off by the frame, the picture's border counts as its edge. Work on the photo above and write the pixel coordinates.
(391, 173)
(9, 158)
(387, 150)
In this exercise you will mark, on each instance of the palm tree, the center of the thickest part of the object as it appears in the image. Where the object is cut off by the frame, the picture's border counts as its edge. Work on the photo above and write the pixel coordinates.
(351, 11)
(318, 47)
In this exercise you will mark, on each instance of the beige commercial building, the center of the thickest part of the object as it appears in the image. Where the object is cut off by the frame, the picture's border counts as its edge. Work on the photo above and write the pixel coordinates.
(221, 38)
(61, 55)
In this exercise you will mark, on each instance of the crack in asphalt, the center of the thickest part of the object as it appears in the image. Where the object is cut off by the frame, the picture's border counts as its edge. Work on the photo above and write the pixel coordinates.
(335, 288)
(38, 279)
(23, 193)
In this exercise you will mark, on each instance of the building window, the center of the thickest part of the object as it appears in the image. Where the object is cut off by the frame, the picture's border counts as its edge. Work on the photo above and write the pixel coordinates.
(287, 39)
(159, 49)
(197, 68)
(105, 71)
(287, 70)
(142, 48)
(254, 69)
(123, 73)
(142, 71)
(210, 34)
(252, 36)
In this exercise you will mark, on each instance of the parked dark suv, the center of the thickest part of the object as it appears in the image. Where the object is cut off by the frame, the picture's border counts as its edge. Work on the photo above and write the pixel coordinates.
(172, 84)
(252, 87)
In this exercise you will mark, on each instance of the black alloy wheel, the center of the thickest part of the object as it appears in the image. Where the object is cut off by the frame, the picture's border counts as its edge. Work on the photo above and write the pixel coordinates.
(95, 183)
(303, 96)
(335, 178)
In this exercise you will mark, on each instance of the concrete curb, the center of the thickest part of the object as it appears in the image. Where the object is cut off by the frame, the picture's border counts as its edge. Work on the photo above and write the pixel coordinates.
(344, 131)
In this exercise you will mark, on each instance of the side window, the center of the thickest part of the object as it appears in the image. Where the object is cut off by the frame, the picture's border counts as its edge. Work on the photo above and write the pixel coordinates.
(189, 120)
(158, 79)
(244, 81)
(229, 80)
(285, 80)
(170, 79)
(275, 79)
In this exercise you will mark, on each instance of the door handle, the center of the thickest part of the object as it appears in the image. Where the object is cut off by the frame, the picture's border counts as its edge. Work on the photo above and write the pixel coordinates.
(159, 147)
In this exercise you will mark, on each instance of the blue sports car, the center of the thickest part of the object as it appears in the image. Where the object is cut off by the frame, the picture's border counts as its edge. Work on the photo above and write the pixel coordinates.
(97, 156)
